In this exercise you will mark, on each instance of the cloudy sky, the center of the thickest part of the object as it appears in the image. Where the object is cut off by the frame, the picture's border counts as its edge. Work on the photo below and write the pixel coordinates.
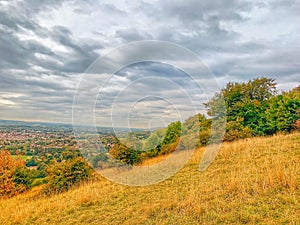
(47, 46)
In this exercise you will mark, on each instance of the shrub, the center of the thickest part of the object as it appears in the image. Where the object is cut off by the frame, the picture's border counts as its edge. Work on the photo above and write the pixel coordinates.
(169, 148)
(125, 154)
(14, 176)
(204, 137)
(235, 130)
(23, 177)
(98, 160)
(63, 175)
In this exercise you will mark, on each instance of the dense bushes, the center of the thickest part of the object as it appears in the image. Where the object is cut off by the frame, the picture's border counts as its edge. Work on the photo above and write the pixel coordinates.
(160, 142)
(251, 109)
(14, 176)
(63, 175)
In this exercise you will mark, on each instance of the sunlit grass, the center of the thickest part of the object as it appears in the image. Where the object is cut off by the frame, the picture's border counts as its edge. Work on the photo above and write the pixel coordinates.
(252, 181)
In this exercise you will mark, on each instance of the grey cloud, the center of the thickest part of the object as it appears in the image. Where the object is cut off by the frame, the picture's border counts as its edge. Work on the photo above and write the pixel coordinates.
(129, 35)
(194, 11)
(44, 63)
(18, 53)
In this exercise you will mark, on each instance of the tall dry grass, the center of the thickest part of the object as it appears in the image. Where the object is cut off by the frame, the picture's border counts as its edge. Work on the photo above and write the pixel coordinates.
(251, 181)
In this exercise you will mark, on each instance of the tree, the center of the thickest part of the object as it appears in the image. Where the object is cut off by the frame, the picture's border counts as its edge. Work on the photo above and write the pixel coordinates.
(155, 139)
(171, 138)
(196, 131)
(32, 162)
(99, 159)
(14, 176)
(173, 132)
(132, 141)
(283, 111)
(248, 101)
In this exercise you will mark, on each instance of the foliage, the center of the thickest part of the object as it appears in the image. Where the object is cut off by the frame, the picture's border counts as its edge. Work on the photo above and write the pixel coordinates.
(248, 101)
(172, 138)
(155, 138)
(253, 108)
(98, 159)
(283, 111)
(31, 162)
(23, 177)
(132, 141)
(14, 177)
(173, 133)
(235, 130)
(204, 137)
(125, 154)
(63, 175)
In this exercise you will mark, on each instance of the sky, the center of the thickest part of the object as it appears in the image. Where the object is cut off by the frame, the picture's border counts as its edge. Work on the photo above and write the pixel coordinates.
(47, 47)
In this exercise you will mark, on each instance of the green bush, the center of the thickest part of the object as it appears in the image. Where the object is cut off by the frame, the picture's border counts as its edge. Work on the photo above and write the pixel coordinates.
(23, 177)
(235, 130)
(62, 176)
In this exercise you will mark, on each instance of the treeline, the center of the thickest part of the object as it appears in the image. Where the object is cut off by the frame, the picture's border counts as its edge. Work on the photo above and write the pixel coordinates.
(253, 108)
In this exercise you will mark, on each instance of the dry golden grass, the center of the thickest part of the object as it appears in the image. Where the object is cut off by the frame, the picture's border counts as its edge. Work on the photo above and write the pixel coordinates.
(252, 181)
(154, 160)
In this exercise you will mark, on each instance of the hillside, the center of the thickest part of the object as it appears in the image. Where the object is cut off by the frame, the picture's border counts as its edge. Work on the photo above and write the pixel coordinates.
(252, 181)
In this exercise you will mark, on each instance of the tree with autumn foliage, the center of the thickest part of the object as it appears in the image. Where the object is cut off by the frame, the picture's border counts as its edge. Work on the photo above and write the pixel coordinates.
(14, 176)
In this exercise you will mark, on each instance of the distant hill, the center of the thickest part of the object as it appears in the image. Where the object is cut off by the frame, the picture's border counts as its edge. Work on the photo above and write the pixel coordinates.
(67, 126)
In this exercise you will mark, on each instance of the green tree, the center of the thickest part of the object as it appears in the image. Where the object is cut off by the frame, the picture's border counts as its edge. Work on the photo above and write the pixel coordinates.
(172, 138)
(248, 101)
(132, 141)
(173, 133)
(283, 111)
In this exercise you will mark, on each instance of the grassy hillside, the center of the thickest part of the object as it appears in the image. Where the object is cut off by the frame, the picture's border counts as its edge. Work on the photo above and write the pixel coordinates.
(252, 181)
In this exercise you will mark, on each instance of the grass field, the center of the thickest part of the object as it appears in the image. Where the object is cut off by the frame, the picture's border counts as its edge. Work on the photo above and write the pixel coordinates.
(24, 157)
(252, 181)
